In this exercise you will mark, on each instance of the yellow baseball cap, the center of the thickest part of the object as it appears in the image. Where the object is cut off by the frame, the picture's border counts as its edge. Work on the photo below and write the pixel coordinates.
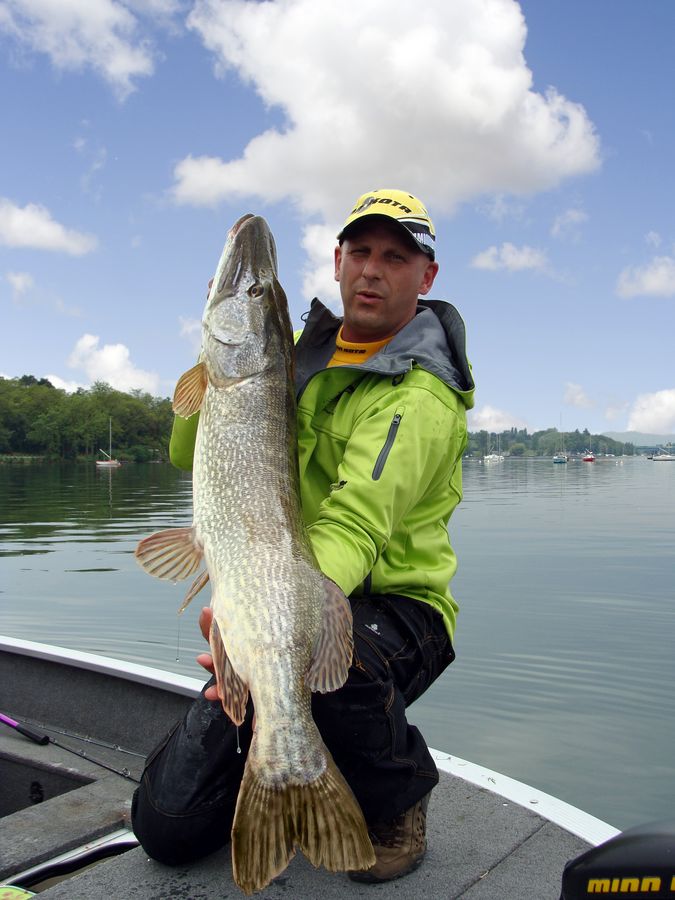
(402, 207)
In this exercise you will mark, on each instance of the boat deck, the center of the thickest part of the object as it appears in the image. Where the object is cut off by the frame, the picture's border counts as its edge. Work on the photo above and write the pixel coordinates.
(482, 844)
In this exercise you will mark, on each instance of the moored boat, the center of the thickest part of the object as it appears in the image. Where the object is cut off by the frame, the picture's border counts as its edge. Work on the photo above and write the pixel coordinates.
(493, 456)
(560, 456)
(108, 462)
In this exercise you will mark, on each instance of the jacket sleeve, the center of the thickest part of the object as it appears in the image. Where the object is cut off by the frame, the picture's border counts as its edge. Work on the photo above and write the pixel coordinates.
(182, 443)
(401, 449)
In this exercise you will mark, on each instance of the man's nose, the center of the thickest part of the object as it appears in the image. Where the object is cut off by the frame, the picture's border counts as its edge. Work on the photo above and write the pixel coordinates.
(372, 267)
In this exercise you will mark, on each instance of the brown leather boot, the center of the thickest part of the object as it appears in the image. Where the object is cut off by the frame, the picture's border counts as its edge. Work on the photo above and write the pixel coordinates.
(399, 845)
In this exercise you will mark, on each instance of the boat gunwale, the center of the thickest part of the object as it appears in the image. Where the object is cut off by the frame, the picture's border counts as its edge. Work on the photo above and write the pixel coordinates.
(552, 809)
(105, 665)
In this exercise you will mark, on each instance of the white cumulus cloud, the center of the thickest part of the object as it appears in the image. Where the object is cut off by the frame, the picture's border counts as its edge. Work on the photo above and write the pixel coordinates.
(654, 413)
(489, 418)
(575, 395)
(102, 35)
(510, 257)
(566, 224)
(434, 97)
(110, 363)
(319, 273)
(33, 226)
(191, 329)
(656, 279)
(21, 282)
(69, 386)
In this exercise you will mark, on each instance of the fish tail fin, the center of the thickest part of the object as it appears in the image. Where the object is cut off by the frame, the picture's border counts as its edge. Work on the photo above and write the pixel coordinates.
(322, 818)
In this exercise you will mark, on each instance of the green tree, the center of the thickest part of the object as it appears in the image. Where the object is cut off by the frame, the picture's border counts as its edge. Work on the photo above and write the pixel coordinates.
(37, 418)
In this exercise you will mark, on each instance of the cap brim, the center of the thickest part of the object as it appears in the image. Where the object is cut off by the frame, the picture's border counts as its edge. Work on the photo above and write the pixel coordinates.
(362, 221)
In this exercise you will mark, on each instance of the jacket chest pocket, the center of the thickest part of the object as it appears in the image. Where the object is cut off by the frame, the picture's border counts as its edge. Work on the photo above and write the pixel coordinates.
(389, 442)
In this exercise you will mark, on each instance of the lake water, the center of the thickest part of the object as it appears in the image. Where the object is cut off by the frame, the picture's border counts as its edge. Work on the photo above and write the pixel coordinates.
(565, 667)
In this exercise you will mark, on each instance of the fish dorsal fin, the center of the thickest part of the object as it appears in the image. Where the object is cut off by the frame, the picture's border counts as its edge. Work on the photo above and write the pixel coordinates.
(232, 690)
(173, 554)
(332, 652)
(189, 394)
(200, 581)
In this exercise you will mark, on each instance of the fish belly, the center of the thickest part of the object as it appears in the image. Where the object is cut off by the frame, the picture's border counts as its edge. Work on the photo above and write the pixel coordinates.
(268, 604)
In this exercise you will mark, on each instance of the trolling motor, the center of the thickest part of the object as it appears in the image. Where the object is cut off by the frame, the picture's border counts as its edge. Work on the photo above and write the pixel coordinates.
(638, 863)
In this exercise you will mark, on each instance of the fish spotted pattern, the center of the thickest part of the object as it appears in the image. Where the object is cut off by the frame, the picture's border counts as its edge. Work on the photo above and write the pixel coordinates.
(280, 628)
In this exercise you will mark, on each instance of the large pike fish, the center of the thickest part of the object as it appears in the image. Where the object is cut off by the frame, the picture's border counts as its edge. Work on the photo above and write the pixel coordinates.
(280, 628)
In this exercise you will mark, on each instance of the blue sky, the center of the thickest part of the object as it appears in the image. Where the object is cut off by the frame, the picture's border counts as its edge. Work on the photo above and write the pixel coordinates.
(540, 135)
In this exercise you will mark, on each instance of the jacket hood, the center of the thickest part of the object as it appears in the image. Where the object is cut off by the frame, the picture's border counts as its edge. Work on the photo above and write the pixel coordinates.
(435, 340)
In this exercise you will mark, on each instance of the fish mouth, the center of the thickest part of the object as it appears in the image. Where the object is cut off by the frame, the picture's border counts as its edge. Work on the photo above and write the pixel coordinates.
(240, 221)
(252, 253)
(230, 334)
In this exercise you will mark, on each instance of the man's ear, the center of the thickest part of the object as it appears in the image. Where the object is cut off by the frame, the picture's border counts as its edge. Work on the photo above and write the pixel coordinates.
(430, 273)
(338, 258)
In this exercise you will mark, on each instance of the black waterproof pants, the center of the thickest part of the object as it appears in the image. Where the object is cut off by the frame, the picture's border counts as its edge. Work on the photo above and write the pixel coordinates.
(185, 805)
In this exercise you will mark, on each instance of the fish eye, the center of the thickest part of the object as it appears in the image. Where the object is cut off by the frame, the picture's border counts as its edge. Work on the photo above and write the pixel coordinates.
(256, 290)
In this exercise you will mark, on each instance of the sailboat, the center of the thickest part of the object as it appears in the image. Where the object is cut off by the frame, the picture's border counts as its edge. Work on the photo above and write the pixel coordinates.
(664, 455)
(561, 457)
(588, 456)
(494, 457)
(108, 463)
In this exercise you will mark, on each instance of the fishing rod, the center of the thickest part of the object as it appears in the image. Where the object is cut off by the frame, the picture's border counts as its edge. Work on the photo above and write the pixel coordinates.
(39, 737)
(86, 739)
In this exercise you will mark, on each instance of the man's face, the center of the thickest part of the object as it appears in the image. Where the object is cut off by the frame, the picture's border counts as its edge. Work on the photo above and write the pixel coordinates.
(381, 275)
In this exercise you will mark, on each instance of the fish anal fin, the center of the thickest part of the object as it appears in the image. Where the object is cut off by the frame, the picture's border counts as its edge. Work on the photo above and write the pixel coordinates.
(321, 817)
(200, 581)
(333, 647)
(232, 690)
(173, 554)
(190, 390)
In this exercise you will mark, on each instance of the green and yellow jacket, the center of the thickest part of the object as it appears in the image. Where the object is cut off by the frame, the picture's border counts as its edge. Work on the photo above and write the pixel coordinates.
(380, 447)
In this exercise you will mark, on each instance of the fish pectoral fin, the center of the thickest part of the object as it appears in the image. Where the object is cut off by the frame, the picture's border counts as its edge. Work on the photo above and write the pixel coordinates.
(173, 554)
(190, 390)
(200, 581)
(332, 651)
(232, 690)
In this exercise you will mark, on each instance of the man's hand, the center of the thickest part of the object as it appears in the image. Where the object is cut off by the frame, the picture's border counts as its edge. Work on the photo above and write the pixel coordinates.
(205, 659)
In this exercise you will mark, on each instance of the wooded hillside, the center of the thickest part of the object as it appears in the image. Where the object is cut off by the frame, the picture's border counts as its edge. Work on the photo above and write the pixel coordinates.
(38, 419)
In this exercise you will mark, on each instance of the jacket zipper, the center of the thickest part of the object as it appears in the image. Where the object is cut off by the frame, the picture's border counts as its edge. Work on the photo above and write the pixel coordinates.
(388, 444)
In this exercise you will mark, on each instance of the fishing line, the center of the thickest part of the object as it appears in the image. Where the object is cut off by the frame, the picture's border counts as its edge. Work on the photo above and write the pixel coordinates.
(178, 640)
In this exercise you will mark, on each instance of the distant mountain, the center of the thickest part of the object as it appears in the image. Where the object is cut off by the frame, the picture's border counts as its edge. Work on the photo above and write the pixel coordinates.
(640, 439)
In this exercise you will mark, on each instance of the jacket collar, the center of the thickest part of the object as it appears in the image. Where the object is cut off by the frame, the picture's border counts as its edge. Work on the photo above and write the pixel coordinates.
(435, 340)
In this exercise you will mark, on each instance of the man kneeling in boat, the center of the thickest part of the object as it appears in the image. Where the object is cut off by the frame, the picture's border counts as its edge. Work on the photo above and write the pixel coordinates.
(382, 399)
